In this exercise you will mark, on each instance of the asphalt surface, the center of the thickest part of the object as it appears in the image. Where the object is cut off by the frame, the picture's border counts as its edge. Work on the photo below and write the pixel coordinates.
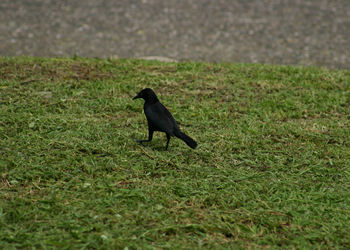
(303, 32)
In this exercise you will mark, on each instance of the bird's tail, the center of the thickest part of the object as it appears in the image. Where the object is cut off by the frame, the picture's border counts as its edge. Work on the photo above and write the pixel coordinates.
(188, 140)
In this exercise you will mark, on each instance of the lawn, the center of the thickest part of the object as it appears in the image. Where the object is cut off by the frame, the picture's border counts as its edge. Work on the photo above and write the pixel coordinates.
(272, 166)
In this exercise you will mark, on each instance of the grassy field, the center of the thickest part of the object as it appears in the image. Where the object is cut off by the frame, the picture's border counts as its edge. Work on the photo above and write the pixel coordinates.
(272, 167)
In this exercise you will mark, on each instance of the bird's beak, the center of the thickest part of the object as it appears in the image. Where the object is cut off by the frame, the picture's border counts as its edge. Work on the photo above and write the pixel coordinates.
(137, 96)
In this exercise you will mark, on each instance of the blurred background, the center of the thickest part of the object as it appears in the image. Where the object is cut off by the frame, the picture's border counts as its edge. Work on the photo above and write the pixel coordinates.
(297, 32)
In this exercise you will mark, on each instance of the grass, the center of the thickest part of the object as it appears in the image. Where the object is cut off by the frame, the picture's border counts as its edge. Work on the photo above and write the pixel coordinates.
(272, 168)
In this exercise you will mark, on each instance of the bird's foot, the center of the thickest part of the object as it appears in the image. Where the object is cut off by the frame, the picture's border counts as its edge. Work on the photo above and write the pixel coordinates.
(141, 141)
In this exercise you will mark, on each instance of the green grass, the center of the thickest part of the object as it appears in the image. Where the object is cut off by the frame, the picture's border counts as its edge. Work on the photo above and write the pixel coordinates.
(272, 168)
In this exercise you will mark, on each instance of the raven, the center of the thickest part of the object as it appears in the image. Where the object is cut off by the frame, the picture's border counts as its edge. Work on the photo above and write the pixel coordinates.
(160, 119)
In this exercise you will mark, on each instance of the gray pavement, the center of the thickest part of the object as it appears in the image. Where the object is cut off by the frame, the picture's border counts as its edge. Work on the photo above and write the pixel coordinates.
(304, 32)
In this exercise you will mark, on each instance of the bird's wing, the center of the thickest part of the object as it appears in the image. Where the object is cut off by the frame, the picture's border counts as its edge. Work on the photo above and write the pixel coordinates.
(160, 118)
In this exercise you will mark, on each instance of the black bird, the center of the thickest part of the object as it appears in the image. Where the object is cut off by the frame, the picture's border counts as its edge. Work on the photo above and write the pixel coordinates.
(160, 119)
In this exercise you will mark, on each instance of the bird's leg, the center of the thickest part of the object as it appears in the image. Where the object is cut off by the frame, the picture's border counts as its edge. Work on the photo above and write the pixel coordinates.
(168, 139)
(150, 136)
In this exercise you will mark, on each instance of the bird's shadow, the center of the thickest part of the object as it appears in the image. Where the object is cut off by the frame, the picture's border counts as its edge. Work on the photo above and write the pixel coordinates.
(151, 144)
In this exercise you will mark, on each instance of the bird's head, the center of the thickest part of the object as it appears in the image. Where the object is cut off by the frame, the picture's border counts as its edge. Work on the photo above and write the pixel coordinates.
(146, 94)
